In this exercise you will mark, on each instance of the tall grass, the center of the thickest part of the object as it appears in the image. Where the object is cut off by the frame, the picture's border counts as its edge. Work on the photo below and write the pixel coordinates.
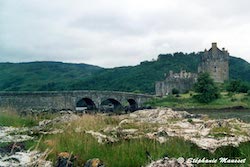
(133, 152)
(126, 153)
(10, 117)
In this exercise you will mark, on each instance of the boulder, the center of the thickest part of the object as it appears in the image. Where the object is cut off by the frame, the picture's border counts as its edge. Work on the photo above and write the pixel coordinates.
(65, 159)
(101, 138)
(95, 162)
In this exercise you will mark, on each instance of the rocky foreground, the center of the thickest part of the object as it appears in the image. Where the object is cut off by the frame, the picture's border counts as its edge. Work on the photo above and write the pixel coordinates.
(163, 123)
(159, 124)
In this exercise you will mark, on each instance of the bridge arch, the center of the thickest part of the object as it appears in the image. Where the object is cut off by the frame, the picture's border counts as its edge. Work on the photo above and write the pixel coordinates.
(111, 105)
(61, 100)
(132, 105)
(85, 104)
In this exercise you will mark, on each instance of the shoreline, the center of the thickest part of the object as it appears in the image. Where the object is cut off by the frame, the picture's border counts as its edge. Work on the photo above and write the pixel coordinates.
(227, 109)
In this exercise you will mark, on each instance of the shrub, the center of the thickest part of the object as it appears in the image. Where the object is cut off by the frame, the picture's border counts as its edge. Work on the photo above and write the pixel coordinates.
(230, 94)
(243, 88)
(233, 99)
(233, 86)
(237, 86)
(175, 91)
(248, 93)
(244, 99)
(206, 89)
(177, 95)
(190, 120)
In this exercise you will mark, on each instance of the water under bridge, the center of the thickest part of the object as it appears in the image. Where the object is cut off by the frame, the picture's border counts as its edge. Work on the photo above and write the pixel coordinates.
(72, 100)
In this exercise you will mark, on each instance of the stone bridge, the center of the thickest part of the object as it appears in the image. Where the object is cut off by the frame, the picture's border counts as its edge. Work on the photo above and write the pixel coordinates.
(72, 100)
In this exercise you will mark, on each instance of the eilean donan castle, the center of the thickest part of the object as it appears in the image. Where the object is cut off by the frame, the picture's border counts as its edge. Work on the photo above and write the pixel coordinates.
(214, 61)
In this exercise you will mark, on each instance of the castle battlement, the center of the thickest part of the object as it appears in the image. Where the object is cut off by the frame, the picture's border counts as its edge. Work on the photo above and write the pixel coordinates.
(182, 75)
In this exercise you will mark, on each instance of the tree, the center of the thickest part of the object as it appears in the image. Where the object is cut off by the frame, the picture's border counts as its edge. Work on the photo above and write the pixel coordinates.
(237, 86)
(206, 89)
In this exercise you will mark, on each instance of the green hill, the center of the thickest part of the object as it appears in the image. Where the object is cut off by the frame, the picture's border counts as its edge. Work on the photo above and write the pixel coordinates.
(140, 78)
(42, 75)
(239, 69)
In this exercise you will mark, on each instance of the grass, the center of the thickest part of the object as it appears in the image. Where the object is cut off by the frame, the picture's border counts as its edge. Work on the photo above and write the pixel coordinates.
(95, 122)
(220, 131)
(9, 117)
(126, 153)
(133, 152)
(185, 101)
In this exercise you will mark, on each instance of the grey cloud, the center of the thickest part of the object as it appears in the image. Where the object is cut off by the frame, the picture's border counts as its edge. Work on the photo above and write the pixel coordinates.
(113, 33)
(111, 23)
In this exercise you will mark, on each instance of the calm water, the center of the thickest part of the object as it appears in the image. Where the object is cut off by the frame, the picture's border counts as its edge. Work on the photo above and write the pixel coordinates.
(243, 114)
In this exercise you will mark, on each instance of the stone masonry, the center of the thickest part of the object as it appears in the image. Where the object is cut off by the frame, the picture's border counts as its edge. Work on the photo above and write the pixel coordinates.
(214, 61)
(182, 81)
(67, 100)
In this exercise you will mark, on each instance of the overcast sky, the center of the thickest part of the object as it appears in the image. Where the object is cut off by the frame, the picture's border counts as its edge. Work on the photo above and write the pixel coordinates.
(112, 33)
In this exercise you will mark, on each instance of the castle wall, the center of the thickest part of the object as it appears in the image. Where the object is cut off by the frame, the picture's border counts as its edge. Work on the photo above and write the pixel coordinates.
(159, 88)
(182, 81)
(218, 70)
(215, 62)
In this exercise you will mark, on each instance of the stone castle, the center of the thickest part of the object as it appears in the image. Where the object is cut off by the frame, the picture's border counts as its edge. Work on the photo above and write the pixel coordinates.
(214, 61)
(182, 81)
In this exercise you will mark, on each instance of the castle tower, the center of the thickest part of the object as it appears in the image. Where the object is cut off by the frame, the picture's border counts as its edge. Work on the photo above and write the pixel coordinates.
(215, 62)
